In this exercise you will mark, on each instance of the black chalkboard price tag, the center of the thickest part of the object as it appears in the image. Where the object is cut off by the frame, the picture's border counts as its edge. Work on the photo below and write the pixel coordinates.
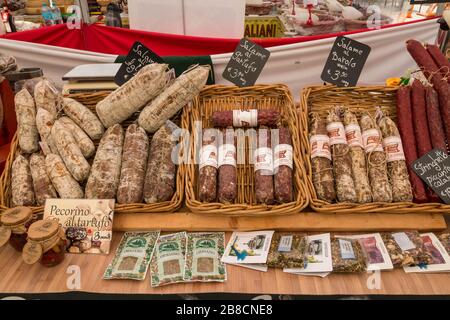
(345, 62)
(138, 57)
(427, 1)
(246, 63)
(434, 169)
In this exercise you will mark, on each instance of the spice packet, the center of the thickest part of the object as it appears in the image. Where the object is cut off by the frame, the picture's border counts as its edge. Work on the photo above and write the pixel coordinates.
(444, 238)
(347, 256)
(439, 258)
(374, 250)
(167, 264)
(317, 256)
(405, 248)
(133, 256)
(287, 250)
(203, 254)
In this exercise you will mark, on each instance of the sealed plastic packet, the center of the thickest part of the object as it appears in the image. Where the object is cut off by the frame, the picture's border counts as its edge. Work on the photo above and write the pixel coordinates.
(133, 256)
(167, 264)
(405, 248)
(203, 254)
(287, 250)
(444, 238)
(347, 255)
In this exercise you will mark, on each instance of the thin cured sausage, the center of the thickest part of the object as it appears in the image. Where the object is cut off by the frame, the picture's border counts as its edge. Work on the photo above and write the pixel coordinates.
(358, 156)
(322, 168)
(342, 163)
(263, 162)
(207, 177)
(376, 160)
(227, 177)
(406, 128)
(283, 161)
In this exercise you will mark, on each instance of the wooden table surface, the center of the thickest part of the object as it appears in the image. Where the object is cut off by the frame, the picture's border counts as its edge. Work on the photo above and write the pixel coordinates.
(17, 277)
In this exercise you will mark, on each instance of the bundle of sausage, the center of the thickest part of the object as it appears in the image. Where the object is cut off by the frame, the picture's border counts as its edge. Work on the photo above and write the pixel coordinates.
(62, 168)
(357, 161)
(270, 151)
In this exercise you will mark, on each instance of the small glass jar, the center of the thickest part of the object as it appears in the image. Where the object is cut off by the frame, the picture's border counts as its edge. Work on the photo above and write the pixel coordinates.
(46, 244)
(14, 226)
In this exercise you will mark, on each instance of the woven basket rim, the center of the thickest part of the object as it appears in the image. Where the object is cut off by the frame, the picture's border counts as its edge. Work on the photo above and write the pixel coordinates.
(162, 207)
(221, 92)
(323, 206)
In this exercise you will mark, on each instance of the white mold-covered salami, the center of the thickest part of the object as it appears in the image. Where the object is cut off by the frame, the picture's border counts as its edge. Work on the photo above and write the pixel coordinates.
(105, 173)
(134, 165)
(46, 96)
(26, 122)
(120, 104)
(43, 188)
(171, 100)
(159, 183)
(70, 152)
(83, 141)
(66, 186)
(84, 118)
(21, 183)
(44, 123)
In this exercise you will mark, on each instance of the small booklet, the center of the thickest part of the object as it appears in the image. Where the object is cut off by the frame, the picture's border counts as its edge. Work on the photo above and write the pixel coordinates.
(440, 258)
(318, 256)
(248, 247)
(376, 253)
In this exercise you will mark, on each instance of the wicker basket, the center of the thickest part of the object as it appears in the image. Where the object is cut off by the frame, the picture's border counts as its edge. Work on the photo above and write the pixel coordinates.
(90, 100)
(215, 98)
(320, 99)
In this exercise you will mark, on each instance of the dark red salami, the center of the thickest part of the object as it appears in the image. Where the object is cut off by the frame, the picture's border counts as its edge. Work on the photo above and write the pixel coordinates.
(207, 177)
(263, 162)
(437, 133)
(440, 60)
(283, 165)
(227, 180)
(406, 128)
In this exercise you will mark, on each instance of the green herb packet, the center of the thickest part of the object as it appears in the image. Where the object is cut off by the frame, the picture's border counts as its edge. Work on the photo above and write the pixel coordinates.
(167, 264)
(203, 254)
(287, 250)
(133, 256)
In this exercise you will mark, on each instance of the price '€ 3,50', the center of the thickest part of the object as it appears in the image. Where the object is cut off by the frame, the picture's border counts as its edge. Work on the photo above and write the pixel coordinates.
(246, 63)
(345, 62)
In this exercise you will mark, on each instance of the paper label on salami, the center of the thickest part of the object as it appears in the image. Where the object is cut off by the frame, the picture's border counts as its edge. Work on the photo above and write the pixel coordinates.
(394, 149)
(283, 156)
(245, 118)
(227, 155)
(403, 241)
(263, 159)
(208, 156)
(320, 146)
(336, 132)
(372, 141)
(353, 135)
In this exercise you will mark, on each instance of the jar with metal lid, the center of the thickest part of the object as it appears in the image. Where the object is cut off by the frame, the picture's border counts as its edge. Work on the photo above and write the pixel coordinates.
(46, 244)
(14, 226)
